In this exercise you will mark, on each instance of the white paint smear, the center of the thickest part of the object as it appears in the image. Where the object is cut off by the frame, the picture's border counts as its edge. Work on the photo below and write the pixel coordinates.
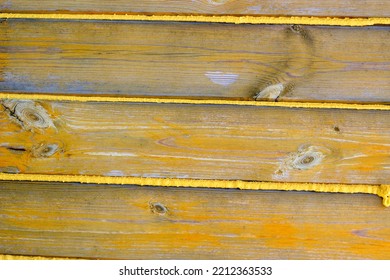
(222, 78)
(115, 173)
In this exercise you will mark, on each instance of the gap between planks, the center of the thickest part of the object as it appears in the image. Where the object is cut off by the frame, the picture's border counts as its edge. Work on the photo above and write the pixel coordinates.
(380, 190)
(304, 20)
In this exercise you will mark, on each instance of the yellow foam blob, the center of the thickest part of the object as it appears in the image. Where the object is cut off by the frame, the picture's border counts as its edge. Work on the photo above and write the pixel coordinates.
(335, 21)
(288, 104)
(380, 190)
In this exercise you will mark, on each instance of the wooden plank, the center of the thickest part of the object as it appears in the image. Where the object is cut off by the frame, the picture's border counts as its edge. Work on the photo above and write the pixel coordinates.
(362, 8)
(195, 141)
(130, 222)
(272, 62)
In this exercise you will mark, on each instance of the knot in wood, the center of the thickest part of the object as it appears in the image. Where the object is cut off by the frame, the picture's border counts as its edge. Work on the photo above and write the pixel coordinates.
(306, 158)
(28, 114)
(32, 115)
(271, 93)
(44, 150)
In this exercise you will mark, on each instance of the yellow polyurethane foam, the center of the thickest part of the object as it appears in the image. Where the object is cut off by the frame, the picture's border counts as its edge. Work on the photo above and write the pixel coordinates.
(286, 104)
(334, 21)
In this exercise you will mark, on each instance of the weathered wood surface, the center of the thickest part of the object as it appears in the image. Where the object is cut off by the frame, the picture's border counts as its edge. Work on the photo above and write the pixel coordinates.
(196, 60)
(128, 222)
(365, 8)
(195, 141)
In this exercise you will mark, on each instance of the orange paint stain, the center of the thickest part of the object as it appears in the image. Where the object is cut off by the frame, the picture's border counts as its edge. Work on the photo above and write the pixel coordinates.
(279, 233)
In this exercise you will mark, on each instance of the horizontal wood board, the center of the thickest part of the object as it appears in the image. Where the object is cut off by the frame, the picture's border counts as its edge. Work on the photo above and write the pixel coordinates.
(196, 60)
(127, 222)
(195, 141)
(355, 8)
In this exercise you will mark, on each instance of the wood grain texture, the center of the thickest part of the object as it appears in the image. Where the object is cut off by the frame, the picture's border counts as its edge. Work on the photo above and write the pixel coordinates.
(195, 141)
(363, 8)
(222, 61)
(127, 222)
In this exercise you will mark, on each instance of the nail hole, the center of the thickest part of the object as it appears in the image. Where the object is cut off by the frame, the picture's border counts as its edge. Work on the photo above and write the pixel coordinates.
(336, 128)
(158, 208)
(296, 28)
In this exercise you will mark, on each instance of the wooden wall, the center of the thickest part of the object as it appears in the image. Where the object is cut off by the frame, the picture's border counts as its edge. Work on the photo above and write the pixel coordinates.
(192, 61)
